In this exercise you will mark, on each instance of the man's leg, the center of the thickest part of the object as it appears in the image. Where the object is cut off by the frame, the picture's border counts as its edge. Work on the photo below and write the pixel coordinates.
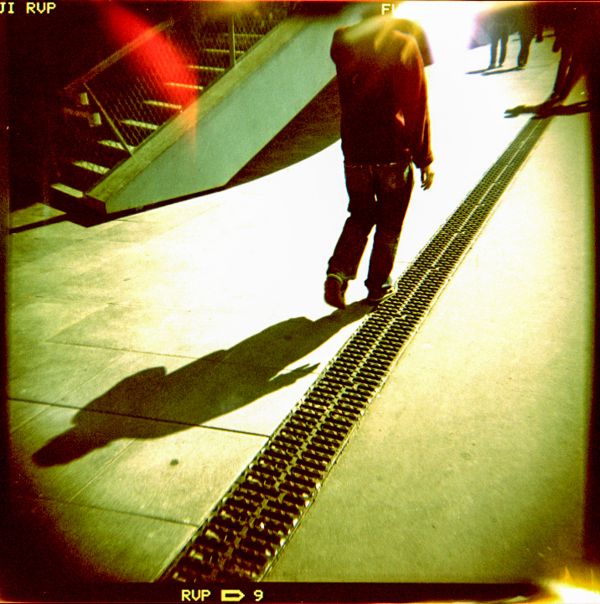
(493, 51)
(574, 72)
(394, 187)
(564, 65)
(343, 264)
(525, 37)
(503, 45)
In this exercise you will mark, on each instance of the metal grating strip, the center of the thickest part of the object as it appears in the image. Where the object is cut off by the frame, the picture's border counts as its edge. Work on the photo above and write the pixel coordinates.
(250, 525)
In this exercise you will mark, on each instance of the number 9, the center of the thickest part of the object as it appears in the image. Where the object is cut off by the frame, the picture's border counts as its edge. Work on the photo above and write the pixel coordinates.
(258, 594)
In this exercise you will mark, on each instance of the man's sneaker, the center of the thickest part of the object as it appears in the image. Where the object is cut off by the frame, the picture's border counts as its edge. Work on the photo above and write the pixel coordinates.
(335, 290)
(379, 295)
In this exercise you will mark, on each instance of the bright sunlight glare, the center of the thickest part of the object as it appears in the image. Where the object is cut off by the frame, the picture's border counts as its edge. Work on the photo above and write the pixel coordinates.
(570, 594)
(448, 24)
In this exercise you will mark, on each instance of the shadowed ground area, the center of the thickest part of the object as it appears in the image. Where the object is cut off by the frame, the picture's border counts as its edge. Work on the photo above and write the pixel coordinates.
(316, 127)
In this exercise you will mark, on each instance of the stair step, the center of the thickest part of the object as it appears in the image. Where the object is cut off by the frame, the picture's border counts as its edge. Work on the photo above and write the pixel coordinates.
(197, 87)
(163, 104)
(116, 145)
(207, 68)
(220, 51)
(92, 167)
(242, 36)
(246, 34)
(139, 124)
(93, 118)
(67, 190)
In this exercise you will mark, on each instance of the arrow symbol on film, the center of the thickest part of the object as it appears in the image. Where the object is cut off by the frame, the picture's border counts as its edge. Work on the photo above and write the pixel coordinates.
(231, 595)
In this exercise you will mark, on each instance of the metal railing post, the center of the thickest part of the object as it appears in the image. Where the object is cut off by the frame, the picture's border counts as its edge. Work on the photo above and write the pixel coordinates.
(231, 39)
(109, 120)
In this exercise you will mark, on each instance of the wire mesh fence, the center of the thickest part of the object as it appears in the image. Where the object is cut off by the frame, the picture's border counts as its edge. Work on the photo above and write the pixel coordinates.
(128, 97)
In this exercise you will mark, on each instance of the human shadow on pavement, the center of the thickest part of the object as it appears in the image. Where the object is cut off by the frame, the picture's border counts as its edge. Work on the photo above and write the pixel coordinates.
(498, 70)
(544, 110)
(151, 403)
(492, 70)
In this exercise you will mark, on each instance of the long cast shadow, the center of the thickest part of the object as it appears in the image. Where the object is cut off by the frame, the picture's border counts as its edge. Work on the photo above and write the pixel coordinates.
(498, 70)
(542, 110)
(152, 403)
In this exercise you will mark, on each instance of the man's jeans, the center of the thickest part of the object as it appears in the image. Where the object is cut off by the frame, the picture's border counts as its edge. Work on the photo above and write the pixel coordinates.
(379, 196)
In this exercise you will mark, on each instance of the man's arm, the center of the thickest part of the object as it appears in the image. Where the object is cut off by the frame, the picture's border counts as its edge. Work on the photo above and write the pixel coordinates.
(427, 175)
(413, 96)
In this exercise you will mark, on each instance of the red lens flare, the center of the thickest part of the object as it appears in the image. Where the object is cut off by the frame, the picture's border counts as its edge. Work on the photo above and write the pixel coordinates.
(157, 60)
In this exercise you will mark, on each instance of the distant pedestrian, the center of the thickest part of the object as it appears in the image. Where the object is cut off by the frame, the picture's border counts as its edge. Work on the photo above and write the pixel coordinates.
(571, 33)
(523, 19)
(497, 27)
(384, 130)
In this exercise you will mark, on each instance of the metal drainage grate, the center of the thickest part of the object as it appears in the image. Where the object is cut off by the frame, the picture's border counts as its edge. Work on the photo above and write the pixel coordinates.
(250, 525)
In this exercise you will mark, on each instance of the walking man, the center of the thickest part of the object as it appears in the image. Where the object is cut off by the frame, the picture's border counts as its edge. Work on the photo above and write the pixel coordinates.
(384, 130)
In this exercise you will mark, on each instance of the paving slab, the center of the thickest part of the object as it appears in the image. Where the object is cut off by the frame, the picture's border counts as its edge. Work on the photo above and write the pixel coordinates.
(65, 544)
(42, 318)
(59, 451)
(54, 373)
(169, 472)
(20, 412)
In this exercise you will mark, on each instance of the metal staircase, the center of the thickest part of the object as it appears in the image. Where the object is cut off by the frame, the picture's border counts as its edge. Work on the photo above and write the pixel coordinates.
(112, 110)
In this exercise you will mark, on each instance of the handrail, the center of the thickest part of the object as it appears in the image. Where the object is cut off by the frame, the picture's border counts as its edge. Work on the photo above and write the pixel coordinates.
(110, 122)
(71, 88)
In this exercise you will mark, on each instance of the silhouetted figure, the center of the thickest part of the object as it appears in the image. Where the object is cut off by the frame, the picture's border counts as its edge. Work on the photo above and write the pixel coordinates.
(384, 130)
(497, 26)
(523, 19)
(571, 30)
(541, 11)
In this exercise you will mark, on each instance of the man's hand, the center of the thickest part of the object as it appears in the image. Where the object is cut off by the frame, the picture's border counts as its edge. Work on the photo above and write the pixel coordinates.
(426, 178)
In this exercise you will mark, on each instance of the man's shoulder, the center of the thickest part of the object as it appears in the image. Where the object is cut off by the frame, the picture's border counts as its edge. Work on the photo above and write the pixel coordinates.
(338, 34)
(339, 44)
(417, 36)
(404, 40)
(403, 49)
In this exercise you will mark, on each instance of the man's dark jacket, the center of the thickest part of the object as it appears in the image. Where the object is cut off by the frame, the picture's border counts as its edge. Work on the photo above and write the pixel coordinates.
(383, 94)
